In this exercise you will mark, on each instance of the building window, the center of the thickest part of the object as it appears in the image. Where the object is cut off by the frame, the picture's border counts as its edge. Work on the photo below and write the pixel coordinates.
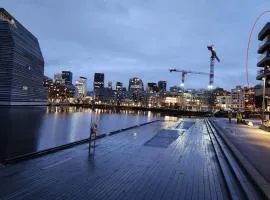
(25, 87)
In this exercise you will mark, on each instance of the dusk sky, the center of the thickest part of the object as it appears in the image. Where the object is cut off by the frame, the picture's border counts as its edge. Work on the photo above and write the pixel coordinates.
(144, 38)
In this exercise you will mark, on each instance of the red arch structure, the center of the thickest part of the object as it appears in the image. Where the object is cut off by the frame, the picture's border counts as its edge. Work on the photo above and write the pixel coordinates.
(250, 35)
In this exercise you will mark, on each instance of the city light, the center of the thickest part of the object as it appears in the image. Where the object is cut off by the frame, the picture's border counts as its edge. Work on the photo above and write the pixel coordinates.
(210, 87)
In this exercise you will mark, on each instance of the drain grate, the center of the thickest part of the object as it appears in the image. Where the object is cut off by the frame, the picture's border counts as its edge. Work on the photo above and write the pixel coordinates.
(163, 138)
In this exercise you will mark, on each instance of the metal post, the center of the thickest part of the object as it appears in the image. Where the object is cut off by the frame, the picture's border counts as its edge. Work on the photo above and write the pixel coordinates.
(263, 100)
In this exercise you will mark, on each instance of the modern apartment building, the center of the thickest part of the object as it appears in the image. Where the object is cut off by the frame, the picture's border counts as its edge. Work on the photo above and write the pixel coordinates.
(264, 62)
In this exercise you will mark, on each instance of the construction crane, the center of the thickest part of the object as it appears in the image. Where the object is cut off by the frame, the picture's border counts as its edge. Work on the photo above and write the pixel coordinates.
(213, 57)
(185, 72)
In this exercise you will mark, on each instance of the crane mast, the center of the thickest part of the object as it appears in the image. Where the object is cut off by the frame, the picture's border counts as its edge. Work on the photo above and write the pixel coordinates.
(213, 57)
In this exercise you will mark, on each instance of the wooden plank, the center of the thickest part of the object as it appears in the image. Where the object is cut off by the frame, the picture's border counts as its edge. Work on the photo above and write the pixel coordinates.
(123, 168)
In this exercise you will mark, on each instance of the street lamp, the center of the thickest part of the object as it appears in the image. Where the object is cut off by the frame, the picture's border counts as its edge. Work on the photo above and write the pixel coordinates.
(263, 100)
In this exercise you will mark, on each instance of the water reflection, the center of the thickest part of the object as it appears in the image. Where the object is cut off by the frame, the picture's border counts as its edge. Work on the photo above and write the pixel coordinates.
(29, 129)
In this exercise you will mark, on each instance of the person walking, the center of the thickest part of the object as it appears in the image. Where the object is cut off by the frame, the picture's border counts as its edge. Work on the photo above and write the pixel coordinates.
(230, 116)
(238, 117)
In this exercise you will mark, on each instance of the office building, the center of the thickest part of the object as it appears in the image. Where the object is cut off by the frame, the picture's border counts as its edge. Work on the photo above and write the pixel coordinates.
(67, 76)
(104, 95)
(58, 78)
(98, 80)
(21, 64)
(135, 85)
(162, 86)
(175, 89)
(81, 86)
(152, 87)
(119, 86)
(110, 85)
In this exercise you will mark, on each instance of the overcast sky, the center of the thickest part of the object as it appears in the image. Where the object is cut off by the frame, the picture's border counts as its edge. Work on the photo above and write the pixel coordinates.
(144, 38)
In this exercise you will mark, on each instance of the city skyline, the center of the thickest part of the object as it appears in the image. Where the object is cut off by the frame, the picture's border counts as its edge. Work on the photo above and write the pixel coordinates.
(127, 39)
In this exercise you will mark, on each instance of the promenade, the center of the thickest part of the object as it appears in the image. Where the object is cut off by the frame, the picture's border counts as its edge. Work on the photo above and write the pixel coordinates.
(157, 161)
(252, 142)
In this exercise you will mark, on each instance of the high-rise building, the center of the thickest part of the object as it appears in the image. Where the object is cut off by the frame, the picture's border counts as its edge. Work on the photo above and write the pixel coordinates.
(110, 85)
(21, 64)
(81, 86)
(135, 85)
(98, 80)
(152, 87)
(119, 86)
(264, 64)
(175, 89)
(67, 76)
(58, 78)
(162, 85)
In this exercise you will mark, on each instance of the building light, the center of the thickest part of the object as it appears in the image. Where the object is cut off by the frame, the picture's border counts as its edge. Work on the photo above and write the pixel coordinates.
(25, 87)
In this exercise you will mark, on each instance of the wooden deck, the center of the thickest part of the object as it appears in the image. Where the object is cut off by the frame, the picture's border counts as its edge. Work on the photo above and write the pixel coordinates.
(123, 168)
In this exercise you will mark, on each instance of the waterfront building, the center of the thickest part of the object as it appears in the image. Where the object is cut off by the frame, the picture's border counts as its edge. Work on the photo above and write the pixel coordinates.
(58, 78)
(67, 76)
(119, 86)
(223, 102)
(136, 89)
(98, 80)
(135, 85)
(175, 89)
(162, 86)
(47, 81)
(110, 85)
(21, 64)
(105, 95)
(81, 86)
(238, 98)
(152, 87)
(58, 93)
(221, 99)
(264, 63)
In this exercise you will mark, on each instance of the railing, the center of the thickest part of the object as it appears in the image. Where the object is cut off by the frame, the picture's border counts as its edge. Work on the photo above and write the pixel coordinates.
(262, 56)
(261, 43)
(262, 72)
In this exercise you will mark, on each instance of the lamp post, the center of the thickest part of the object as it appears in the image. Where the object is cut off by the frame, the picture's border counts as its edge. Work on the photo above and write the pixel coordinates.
(263, 100)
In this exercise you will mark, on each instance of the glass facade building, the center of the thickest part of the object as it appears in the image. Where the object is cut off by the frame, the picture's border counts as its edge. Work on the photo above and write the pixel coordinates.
(162, 85)
(98, 80)
(67, 76)
(152, 87)
(21, 64)
(135, 85)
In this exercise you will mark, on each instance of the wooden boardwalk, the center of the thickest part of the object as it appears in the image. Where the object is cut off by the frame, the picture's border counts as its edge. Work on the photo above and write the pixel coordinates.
(123, 168)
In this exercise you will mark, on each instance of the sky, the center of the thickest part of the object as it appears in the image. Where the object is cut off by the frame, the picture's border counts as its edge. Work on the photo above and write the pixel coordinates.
(145, 38)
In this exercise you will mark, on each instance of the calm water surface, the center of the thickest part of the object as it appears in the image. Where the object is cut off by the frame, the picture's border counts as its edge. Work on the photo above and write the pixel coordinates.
(29, 129)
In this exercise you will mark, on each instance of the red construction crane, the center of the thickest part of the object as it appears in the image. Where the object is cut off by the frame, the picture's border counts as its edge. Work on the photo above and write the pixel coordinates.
(185, 72)
(213, 57)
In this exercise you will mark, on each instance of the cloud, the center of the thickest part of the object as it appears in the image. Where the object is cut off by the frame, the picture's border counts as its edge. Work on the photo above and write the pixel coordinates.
(143, 38)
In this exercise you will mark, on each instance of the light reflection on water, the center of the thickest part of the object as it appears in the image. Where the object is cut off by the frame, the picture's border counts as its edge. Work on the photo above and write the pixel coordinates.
(29, 129)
